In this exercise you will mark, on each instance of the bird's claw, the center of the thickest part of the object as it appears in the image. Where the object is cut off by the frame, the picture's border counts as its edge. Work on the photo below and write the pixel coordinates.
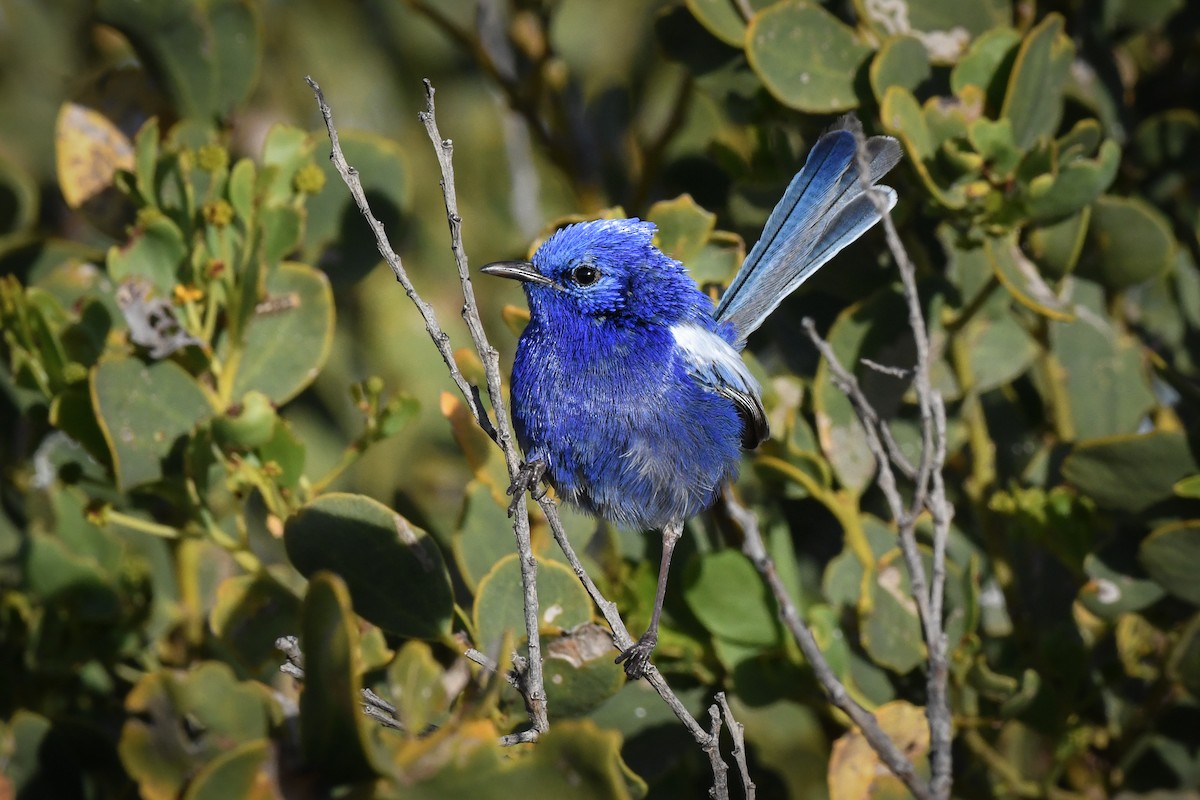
(528, 476)
(637, 658)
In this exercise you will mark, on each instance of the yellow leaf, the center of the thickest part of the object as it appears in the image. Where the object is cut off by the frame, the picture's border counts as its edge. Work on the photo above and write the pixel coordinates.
(89, 149)
(855, 771)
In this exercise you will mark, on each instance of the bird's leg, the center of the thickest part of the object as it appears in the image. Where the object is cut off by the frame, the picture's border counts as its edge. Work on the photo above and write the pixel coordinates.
(528, 477)
(637, 658)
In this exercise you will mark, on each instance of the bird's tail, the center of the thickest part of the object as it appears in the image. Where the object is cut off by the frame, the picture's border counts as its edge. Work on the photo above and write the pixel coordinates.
(824, 209)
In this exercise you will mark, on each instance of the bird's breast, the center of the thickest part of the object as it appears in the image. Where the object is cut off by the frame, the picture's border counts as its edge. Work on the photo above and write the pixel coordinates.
(625, 433)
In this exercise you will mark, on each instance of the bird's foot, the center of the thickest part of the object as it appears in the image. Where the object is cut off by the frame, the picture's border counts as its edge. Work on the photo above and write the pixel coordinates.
(527, 479)
(637, 658)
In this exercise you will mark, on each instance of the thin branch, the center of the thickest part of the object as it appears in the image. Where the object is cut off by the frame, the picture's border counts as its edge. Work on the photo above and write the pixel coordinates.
(720, 787)
(373, 705)
(500, 432)
(756, 551)
(738, 731)
(929, 492)
(535, 691)
(848, 385)
(621, 637)
(489, 664)
(440, 338)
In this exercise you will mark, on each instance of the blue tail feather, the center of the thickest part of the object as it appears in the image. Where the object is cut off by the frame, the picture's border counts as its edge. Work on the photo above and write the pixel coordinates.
(823, 210)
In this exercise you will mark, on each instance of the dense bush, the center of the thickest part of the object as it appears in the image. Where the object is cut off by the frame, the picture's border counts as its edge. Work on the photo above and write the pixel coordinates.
(214, 396)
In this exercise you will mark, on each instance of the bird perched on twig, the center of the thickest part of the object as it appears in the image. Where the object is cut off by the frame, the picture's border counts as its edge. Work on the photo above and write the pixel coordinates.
(629, 393)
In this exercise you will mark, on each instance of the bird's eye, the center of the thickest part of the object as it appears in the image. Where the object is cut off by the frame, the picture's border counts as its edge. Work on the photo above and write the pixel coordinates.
(585, 275)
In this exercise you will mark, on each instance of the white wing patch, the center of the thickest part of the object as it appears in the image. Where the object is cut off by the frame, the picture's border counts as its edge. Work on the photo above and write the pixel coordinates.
(706, 352)
(714, 363)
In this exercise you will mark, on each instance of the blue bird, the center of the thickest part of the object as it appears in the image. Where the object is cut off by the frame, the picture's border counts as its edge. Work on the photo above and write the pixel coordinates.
(629, 393)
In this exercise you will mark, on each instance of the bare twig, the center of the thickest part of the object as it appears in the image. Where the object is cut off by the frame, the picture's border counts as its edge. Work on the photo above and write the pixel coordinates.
(848, 385)
(500, 431)
(720, 787)
(929, 492)
(489, 664)
(621, 637)
(373, 705)
(738, 732)
(534, 686)
(756, 551)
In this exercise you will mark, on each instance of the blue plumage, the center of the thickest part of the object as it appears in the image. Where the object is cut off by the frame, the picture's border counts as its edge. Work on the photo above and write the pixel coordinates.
(628, 391)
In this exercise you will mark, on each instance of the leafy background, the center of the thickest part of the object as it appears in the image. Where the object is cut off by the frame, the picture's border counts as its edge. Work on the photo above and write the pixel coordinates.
(214, 397)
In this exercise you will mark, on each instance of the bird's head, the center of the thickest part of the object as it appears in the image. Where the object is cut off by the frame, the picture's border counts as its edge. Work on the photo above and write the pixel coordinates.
(608, 270)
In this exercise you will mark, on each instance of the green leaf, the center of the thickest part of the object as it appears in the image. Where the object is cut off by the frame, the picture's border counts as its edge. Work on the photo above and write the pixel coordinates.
(244, 771)
(901, 61)
(983, 64)
(286, 149)
(282, 231)
(1140, 15)
(145, 161)
(937, 16)
(721, 18)
(563, 603)
(890, 628)
(1111, 592)
(393, 570)
(206, 54)
(719, 259)
(745, 616)
(332, 726)
(888, 622)
(144, 410)
(1184, 665)
(575, 759)
(241, 189)
(1055, 247)
(1079, 181)
(286, 452)
(1020, 277)
(18, 198)
(806, 57)
(21, 739)
(580, 671)
(1167, 141)
(903, 117)
(1130, 473)
(179, 721)
(683, 227)
(336, 236)
(483, 536)
(416, 681)
(286, 348)
(1129, 241)
(1171, 554)
(788, 738)
(998, 347)
(1105, 380)
(155, 251)
(251, 612)
(1189, 487)
(1033, 101)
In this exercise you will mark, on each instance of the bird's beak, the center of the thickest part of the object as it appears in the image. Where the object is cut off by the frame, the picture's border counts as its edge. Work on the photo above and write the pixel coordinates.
(517, 270)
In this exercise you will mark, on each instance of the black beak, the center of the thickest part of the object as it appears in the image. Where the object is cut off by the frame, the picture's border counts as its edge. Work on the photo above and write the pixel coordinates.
(517, 270)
